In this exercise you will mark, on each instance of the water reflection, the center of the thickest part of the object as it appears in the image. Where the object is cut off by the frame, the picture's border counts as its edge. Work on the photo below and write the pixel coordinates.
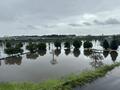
(106, 53)
(13, 60)
(76, 52)
(42, 52)
(1, 44)
(67, 52)
(32, 56)
(88, 52)
(57, 52)
(97, 59)
(53, 61)
(113, 55)
(49, 46)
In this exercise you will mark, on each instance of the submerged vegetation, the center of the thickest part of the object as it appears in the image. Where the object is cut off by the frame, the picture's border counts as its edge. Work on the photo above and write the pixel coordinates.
(62, 84)
(113, 45)
(15, 48)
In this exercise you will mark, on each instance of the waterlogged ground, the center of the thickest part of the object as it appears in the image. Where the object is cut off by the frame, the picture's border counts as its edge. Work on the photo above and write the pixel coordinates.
(45, 65)
(110, 82)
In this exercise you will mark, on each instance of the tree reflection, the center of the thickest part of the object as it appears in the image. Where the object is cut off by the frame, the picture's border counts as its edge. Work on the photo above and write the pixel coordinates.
(0, 63)
(76, 52)
(114, 55)
(67, 51)
(42, 52)
(53, 61)
(49, 45)
(1, 45)
(97, 59)
(57, 52)
(13, 60)
(87, 52)
(105, 53)
(32, 55)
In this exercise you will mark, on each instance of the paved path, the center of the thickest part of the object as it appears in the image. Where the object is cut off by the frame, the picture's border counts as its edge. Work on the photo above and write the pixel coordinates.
(110, 82)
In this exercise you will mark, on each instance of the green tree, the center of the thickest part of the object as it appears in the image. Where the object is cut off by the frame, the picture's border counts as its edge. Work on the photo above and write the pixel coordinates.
(57, 44)
(77, 44)
(19, 45)
(13, 48)
(8, 44)
(67, 45)
(114, 45)
(41, 46)
(106, 44)
(32, 47)
(87, 44)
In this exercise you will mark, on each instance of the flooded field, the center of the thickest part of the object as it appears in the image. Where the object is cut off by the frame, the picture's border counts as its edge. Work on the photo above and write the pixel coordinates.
(48, 65)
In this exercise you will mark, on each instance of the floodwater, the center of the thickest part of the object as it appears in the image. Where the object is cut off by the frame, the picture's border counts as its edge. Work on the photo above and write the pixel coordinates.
(47, 65)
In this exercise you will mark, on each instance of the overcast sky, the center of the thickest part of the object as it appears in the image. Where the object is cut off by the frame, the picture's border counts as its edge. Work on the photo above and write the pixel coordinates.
(38, 17)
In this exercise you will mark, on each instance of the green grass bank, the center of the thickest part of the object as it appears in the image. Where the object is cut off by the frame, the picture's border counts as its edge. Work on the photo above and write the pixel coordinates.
(66, 83)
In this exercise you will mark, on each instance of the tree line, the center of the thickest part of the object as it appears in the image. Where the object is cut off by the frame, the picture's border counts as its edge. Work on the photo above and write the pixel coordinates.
(12, 48)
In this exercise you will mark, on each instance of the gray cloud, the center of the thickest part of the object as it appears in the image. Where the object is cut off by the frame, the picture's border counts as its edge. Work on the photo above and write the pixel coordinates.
(112, 21)
(74, 25)
(109, 21)
(87, 23)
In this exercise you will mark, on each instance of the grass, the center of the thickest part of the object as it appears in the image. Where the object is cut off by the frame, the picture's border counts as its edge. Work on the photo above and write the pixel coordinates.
(62, 84)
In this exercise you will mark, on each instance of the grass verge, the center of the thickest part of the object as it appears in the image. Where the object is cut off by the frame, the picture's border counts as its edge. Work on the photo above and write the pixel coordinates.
(62, 84)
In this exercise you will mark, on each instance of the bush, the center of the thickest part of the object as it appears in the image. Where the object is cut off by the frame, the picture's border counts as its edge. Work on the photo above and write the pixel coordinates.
(77, 44)
(87, 44)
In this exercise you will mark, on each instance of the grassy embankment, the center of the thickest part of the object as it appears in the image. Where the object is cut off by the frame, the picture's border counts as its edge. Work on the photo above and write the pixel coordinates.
(62, 84)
